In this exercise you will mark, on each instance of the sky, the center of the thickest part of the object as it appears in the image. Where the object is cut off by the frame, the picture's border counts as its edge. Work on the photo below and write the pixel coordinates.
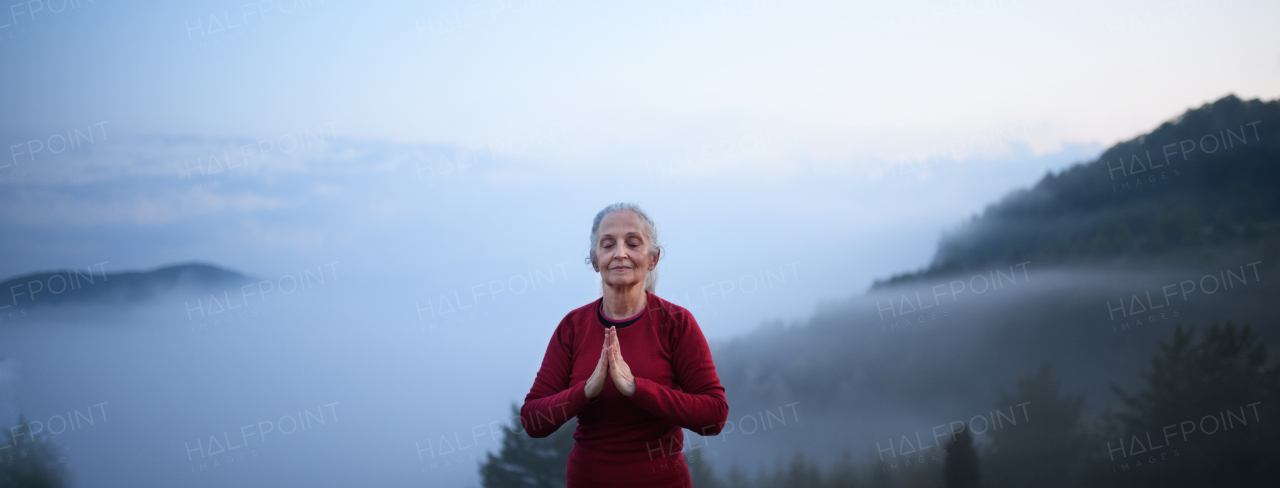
(857, 80)
(456, 140)
(441, 143)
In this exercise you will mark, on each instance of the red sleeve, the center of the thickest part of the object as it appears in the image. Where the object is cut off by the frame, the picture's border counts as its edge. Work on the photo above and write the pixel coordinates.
(553, 401)
(701, 407)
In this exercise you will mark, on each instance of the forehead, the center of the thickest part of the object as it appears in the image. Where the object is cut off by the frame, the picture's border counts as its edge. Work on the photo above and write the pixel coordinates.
(621, 222)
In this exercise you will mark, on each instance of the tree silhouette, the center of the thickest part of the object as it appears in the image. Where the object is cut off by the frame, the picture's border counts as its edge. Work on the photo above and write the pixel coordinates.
(961, 469)
(797, 474)
(803, 474)
(1046, 447)
(844, 474)
(525, 462)
(32, 461)
(700, 471)
(1206, 388)
(738, 478)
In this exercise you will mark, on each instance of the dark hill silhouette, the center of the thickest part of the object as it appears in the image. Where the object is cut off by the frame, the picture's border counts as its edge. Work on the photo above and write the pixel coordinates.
(92, 286)
(1205, 178)
(864, 375)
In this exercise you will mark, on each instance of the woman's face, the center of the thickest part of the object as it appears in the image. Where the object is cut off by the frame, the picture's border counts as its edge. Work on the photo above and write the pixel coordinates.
(623, 250)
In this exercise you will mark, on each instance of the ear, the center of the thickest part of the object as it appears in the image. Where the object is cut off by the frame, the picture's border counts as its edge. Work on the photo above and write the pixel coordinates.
(654, 263)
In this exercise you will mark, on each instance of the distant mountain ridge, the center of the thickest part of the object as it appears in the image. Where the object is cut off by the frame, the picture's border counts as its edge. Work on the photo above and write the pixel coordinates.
(867, 371)
(95, 286)
(1205, 178)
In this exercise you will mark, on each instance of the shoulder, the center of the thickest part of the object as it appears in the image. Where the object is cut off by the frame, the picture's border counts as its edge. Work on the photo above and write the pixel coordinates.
(669, 314)
(580, 314)
(574, 321)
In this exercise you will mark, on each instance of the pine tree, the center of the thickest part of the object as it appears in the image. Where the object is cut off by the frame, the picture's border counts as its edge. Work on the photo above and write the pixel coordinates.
(1046, 444)
(961, 469)
(801, 474)
(525, 462)
(738, 478)
(844, 473)
(1198, 383)
(37, 462)
(701, 472)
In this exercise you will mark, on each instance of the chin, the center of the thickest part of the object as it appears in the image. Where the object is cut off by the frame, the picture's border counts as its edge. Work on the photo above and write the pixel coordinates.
(621, 282)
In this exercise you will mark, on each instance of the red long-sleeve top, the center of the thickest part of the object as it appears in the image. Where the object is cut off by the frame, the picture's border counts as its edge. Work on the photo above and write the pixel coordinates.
(628, 441)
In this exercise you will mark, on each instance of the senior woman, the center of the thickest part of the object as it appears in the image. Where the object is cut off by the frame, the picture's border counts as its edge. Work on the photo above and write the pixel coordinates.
(634, 368)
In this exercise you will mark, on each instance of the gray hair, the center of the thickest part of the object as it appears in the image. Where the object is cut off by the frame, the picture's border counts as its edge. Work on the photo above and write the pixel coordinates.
(651, 232)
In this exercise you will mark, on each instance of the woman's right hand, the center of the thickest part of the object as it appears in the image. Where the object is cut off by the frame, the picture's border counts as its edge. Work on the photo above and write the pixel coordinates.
(595, 383)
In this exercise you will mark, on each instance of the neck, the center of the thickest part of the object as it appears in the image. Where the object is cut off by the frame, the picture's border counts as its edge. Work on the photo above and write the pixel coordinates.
(623, 302)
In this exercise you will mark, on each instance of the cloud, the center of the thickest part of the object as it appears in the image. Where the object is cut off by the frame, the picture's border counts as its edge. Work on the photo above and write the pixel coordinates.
(45, 207)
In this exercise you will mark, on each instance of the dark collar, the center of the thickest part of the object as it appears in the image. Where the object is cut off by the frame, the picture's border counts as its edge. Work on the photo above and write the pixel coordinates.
(609, 323)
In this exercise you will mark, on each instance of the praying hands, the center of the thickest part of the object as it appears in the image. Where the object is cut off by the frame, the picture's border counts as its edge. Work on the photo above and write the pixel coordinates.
(612, 365)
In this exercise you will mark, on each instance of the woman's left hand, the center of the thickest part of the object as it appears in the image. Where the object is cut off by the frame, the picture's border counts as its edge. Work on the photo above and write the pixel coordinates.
(618, 369)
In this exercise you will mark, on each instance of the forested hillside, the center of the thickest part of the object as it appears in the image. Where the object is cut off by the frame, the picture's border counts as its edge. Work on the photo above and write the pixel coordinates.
(1206, 178)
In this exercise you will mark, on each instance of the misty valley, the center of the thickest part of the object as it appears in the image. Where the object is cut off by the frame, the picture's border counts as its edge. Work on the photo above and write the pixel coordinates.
(1095, 329)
